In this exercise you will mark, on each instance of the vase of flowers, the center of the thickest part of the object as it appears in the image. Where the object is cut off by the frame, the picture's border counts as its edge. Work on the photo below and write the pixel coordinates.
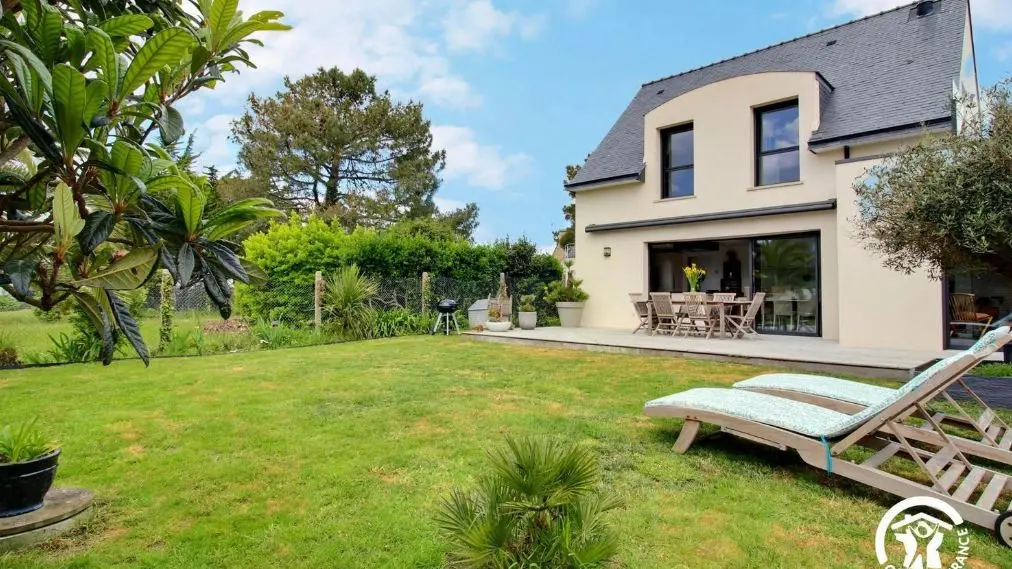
(695, 275)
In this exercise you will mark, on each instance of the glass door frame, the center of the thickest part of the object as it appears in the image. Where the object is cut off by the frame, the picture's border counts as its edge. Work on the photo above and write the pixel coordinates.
(757, 263)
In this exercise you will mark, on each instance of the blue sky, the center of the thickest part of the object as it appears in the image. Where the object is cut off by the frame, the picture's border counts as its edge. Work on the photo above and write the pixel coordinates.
(517, 89)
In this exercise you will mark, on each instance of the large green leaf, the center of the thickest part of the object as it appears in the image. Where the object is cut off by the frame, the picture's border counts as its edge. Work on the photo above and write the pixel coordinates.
(95, 309)
(67, 220)
(191, 207)
(128, 25)
(33, 61)
(98, 96)
(20, 272)
(50, 34)
(165, 48)
(70, 99)
(220, 19)
(171, 125)
(104, 58)
(166, 182)
(185, 262)
(128, 325)
(128, 273)
(97, 229)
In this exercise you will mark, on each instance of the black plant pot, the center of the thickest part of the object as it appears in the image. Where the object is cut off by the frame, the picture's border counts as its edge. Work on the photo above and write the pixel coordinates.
(23, 485)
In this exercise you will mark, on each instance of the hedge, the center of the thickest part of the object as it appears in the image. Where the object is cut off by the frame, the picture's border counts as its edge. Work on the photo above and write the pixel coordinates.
(291, 252)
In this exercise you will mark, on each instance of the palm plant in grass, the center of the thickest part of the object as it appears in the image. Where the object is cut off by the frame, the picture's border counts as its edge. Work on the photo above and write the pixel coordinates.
(540, 506)
(348, 301)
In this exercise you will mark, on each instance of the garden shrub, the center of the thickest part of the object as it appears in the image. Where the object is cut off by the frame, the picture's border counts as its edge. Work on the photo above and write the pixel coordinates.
(401, 322)
(8, 352)
(538, 507)
(291, 252)
(7, 302)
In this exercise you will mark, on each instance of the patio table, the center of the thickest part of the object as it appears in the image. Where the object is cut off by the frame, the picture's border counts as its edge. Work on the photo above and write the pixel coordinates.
(721, 307)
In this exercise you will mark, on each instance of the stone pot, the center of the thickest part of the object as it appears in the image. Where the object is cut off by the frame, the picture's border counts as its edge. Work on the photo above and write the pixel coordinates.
(498, 326)
(570, 313)
(527, 320)
(23, 485)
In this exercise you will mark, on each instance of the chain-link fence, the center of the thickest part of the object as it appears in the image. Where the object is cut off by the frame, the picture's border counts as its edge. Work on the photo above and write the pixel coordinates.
(276, 314)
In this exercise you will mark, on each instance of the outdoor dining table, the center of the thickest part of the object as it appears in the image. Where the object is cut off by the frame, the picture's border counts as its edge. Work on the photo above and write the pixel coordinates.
(721, 305)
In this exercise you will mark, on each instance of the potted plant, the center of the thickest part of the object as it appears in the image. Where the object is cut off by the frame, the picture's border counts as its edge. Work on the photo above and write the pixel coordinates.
(527, 319)
(695, 276)
(499, 309)
(568, 298)
(27, 468)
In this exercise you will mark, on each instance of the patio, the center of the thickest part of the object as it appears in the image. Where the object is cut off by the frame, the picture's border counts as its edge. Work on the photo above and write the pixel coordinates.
(816, 355)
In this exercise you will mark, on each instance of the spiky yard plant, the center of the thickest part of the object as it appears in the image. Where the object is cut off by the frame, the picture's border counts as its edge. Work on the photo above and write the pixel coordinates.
(348, 301)
(539, 507)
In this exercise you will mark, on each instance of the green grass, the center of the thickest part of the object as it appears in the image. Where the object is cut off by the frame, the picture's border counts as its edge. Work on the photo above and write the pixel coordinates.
(993, 369)
(336, 456)
(32, 336)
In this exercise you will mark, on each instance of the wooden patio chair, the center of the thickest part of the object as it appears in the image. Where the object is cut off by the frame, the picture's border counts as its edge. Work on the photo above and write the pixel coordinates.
(821, 436)
(994, 436)
(641, 305)
(695, 316)
(963, 312)
(664, 312)
(743, 326)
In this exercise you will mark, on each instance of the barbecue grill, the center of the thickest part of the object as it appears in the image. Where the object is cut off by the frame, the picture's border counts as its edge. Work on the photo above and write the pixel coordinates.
(447, 309)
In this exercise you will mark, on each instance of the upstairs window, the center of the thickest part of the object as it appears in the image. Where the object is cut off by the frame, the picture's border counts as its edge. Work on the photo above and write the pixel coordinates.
(777, 151)
(678, 178)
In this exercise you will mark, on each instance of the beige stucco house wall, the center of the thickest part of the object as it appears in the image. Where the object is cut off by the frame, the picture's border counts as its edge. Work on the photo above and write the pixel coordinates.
(895, 74)
(863, 303)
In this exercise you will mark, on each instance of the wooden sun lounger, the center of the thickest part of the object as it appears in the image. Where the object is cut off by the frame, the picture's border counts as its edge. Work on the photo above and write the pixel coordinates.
(995, 442)
(781, 423)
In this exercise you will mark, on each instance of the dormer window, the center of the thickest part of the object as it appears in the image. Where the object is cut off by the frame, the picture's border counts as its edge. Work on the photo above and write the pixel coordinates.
(677, 168)
(778, 154)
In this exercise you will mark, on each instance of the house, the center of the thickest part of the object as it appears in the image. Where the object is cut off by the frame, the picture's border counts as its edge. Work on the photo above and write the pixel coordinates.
(747, 167)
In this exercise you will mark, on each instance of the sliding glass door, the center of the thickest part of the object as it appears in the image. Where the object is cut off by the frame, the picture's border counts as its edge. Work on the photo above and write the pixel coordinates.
(786, 268)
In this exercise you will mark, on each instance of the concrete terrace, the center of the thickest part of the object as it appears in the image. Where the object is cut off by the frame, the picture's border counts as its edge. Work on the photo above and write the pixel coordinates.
(807, 354)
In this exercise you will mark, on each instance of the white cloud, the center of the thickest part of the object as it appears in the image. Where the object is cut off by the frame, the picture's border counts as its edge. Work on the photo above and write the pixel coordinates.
(449, 92)
(212, 142)
(480, 165)
(475, 25)
(994, 14)
(384, 37)
(447, 204)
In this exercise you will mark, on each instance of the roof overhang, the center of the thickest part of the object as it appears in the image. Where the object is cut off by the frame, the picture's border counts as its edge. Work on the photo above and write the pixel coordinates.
(606, 182)
(940, 124)
(716, 216)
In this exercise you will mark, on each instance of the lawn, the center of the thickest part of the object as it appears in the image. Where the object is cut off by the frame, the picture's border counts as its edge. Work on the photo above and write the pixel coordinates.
(30, 335)
(336, 456)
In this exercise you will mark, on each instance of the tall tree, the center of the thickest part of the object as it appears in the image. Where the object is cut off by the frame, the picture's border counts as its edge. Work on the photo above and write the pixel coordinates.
(945, 203)
(330, 141)
(567, 236)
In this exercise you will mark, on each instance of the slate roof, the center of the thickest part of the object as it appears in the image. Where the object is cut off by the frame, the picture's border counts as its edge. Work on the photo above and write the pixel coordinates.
(888, 70)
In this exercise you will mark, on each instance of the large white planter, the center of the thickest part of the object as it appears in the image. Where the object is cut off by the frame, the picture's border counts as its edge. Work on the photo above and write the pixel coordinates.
(570, 313)
(498, 326)
(527, 320)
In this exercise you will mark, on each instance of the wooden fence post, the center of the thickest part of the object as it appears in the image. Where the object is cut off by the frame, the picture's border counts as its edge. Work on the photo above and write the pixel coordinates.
(318, 301)
(425, 292)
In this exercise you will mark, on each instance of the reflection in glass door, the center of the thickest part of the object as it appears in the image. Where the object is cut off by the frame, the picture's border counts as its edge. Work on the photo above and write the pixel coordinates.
(787, 270)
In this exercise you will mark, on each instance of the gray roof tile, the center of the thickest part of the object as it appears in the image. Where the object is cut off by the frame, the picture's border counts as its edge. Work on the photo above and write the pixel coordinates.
(887, 70)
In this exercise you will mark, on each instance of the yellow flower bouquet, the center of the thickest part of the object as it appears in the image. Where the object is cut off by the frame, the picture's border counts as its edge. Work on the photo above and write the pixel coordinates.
(694, 275)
